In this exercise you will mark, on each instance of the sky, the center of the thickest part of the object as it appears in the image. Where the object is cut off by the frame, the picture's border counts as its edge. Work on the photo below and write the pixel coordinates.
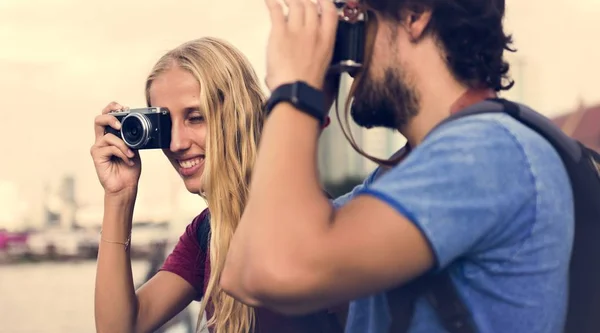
(62, 61)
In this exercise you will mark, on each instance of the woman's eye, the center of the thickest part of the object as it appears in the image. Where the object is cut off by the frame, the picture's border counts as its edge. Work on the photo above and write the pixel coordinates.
(196, 119)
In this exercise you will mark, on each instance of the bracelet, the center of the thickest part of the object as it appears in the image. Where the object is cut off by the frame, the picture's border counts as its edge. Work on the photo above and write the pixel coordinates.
(126, 243)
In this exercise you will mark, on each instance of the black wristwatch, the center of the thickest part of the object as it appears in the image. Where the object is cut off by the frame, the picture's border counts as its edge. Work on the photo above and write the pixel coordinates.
(302, 96)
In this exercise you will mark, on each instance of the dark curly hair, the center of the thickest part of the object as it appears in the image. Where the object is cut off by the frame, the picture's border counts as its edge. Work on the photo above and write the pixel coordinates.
(470, 33)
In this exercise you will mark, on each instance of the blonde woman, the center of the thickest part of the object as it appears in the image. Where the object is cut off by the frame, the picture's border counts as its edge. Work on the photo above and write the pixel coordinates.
(215, 102)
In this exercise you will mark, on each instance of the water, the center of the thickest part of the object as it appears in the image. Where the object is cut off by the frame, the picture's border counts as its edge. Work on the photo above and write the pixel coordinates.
(52, 297)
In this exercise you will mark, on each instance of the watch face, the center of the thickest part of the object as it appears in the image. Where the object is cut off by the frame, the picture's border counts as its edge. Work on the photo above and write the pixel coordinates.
(311, 98)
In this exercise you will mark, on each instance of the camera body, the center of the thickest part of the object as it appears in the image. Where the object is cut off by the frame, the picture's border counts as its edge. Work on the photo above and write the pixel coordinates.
(144, 128)
(349, 49)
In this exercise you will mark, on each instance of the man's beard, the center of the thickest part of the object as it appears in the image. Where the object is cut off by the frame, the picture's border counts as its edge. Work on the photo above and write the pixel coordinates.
(389, 103)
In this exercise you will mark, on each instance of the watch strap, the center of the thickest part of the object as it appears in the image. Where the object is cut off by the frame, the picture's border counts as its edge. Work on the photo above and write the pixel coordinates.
(302, 96)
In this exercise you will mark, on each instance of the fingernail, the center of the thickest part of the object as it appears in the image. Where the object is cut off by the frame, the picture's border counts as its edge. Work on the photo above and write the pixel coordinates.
(131, 163)
(130, 154)
(117, 124)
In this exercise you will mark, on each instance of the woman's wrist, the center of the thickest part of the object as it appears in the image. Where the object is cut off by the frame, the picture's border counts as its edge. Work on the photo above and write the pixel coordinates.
(118, 216)
(124, 197)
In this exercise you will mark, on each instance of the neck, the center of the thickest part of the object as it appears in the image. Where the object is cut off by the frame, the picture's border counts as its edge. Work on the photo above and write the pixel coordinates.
(439, 98)
(434, 111)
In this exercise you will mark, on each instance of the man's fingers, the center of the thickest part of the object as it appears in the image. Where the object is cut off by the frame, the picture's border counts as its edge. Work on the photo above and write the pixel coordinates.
(329, 22)
(311, 15)
(296, 14)
(276, 13)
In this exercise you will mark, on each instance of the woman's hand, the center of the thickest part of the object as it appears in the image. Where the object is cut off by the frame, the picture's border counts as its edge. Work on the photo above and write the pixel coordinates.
(300, 45)
(118, 167)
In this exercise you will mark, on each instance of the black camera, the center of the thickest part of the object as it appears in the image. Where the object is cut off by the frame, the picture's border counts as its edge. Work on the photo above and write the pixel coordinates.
(349, 49)
(145, 128)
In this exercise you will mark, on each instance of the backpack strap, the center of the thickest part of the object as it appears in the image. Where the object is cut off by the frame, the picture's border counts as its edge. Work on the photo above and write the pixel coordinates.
(444, 298)
(440, 292)
(535, 121)
(203, 233)
(401, 304)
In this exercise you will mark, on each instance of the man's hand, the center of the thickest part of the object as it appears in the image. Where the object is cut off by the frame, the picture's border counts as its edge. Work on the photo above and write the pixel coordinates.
(300, 45)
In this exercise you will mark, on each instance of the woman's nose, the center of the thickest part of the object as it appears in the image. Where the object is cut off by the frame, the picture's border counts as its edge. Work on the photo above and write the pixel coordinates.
(179, 139)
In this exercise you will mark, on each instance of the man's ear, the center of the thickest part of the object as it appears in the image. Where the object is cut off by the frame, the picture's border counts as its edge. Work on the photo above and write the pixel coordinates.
(416, 23)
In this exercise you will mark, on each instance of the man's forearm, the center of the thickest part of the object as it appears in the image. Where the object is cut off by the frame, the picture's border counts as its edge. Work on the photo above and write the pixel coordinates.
(286, 164)
(285, 184)
(287, 209)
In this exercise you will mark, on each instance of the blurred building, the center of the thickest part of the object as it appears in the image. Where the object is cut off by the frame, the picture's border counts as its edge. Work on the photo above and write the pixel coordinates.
(60, 206)
(583, 124)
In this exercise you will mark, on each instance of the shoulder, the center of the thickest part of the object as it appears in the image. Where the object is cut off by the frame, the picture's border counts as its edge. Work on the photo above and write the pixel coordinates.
(494, 141)
(192, 230)
(200, 219)
(190, 237)
(489, 156)
(489, 131)
(484, 131)
(503, 147)
(187, 258)
(469, 179)
(476, 151)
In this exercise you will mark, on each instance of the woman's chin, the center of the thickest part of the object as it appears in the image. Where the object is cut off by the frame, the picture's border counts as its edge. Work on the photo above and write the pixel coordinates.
(193, 186)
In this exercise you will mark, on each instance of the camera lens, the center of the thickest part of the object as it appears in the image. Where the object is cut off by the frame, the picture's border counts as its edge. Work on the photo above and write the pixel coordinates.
(135, 130)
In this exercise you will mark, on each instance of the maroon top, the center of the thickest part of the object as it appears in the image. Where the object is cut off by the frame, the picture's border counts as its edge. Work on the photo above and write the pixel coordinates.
(188, 261)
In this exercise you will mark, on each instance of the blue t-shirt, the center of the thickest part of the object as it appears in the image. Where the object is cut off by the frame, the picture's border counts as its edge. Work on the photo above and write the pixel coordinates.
(494, 201)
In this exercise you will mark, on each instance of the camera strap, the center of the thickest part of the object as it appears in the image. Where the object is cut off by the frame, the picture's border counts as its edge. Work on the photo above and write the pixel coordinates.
(471, 97)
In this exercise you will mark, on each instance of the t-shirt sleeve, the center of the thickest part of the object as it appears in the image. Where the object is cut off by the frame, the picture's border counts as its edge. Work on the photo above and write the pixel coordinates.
(187, 259)
(460, 187)
(345, 198)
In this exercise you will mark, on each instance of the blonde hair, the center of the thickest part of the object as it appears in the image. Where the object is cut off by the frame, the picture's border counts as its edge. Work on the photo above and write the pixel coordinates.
(232, 99)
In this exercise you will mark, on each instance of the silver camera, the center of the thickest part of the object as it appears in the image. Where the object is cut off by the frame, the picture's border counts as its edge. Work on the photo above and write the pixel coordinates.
(144, 128)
